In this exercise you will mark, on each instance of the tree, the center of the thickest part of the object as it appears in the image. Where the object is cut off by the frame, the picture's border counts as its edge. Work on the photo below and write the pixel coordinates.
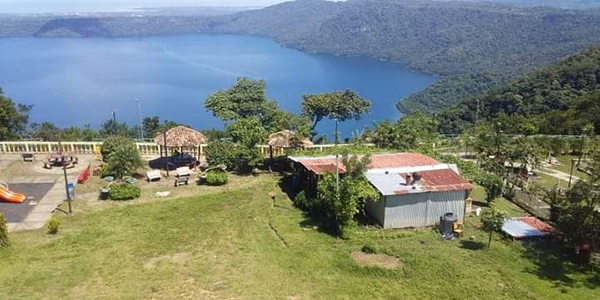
(341, 106)
(151, 126)
(45, 131)
(246, 99)
(87, 133)
(411, 132)
(247, 133)
(492, 220)
(112, 127)
(13, 118)
(124, 159)
(493, 185)
(342, 203)
(577, 218)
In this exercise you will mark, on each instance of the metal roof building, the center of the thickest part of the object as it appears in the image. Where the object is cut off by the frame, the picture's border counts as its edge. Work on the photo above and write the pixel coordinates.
(415, 189)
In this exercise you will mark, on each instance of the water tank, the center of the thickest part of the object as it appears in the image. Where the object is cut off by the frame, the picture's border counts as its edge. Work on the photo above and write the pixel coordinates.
(447, 225)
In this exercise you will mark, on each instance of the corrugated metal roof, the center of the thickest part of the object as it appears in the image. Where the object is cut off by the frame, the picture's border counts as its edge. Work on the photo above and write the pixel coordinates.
(441, 179)
(321, 164)
(525, 227)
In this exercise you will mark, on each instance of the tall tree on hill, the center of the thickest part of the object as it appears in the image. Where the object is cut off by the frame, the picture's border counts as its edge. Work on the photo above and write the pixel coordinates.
(45, 131)
(248, 99)
(341, 106)
(13, 118)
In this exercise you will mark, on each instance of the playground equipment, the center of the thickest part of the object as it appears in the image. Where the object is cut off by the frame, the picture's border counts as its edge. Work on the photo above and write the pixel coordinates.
(8, 196)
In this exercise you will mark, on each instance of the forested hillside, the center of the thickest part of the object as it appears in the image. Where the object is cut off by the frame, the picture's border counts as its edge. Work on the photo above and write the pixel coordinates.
(561, 99)
(577, 4)
(476, 46)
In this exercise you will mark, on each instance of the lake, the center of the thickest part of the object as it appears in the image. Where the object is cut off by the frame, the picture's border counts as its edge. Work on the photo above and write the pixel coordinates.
(81, 81)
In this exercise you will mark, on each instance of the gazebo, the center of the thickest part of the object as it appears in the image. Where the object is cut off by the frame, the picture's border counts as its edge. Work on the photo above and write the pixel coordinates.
(286, 139)
(182, 139)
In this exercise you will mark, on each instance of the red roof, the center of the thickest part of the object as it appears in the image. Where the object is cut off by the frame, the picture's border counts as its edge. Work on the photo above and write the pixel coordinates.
(444, 180)
(537, 224)
(320, 165)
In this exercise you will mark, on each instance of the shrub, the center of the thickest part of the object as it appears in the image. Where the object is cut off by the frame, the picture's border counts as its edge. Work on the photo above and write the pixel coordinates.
(493, 185)
(111, 143)
(247, 159)
(216, 178)
(4, 241)
(124, 191)
(221, 153)
(124, 159)
(53, 226)
(303, 202)
(370, 249)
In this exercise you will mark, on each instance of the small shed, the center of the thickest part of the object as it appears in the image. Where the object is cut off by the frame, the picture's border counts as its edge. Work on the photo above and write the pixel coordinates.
(418, 196)
(182, 139)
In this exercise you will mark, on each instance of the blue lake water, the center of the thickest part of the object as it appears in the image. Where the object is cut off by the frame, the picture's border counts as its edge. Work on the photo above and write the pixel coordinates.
(81, 81)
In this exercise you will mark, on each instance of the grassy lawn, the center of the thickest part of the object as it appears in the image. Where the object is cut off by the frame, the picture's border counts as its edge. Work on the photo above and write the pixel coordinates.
(565, 166)
(242, 244)
(550, 182)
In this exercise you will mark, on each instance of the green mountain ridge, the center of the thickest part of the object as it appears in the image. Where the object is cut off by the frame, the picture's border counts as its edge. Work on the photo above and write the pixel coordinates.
(560, 99)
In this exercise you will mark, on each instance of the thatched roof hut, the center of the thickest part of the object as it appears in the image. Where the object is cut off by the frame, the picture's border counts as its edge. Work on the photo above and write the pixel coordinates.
(181, 136)
(287, 139)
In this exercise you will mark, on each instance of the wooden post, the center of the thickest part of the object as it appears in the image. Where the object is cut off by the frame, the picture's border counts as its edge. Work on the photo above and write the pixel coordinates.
(167, 152)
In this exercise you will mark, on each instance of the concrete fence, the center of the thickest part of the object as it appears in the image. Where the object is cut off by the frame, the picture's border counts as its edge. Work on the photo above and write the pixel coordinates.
(143, 148)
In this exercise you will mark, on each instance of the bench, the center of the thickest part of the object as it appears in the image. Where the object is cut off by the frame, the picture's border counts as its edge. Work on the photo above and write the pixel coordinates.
(153, 175)
(180, 180)
(27, 157)
(183, 171)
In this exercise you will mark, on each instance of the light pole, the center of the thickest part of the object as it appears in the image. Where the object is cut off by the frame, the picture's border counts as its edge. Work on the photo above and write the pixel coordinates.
(337, 163)
(140, 114)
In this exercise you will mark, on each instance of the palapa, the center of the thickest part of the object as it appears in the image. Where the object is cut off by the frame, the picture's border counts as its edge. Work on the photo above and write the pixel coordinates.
(287, 139)
(181, 136)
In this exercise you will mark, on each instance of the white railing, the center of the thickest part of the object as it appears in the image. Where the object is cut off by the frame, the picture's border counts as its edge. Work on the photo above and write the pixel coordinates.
(143, 148)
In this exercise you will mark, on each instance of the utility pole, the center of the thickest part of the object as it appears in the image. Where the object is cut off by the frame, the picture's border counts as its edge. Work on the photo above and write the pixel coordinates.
(477, 114)
(140, 113)
(337, 161)
(114, 115)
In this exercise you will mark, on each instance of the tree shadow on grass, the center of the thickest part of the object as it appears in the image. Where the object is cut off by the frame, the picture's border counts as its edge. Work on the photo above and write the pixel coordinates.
(552, 262)
(313, 219)
(471, 245)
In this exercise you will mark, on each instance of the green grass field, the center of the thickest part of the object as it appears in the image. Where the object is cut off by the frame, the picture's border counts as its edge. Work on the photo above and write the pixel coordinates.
(242, 244)
(565, 166)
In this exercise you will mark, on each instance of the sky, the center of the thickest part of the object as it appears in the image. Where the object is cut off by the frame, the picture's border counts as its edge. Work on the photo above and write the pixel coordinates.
(45, 6)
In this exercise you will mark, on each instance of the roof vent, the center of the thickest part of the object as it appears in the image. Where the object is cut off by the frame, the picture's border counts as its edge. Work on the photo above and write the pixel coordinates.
(417, 178)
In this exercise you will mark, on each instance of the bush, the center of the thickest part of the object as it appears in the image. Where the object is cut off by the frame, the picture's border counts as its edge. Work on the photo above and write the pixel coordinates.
(124, 191)
(221, 153)
(247, 159)
(4, 241)
(216, 178)
(124, 159)
(53, 226)
(111, 143)
(370, 249)
(303, 202)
